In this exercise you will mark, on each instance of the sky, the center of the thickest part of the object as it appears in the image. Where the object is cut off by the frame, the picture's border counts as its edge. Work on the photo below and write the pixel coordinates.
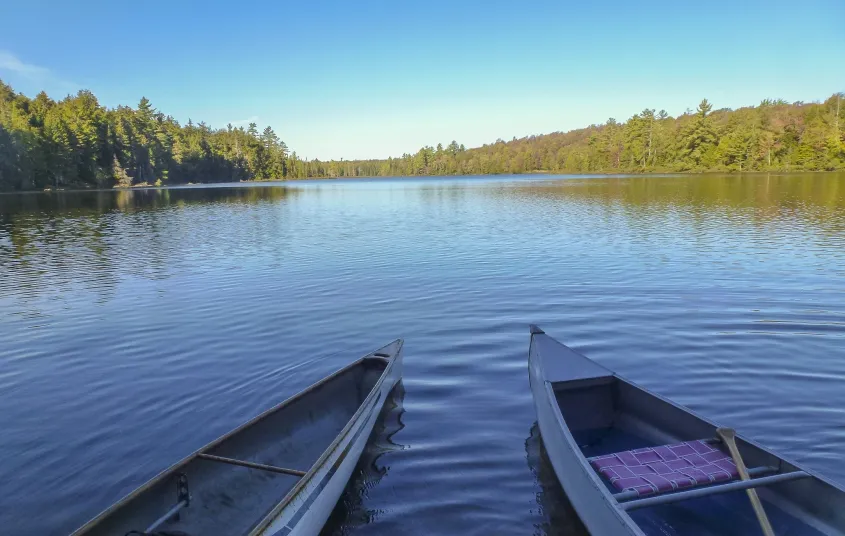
(372, 79)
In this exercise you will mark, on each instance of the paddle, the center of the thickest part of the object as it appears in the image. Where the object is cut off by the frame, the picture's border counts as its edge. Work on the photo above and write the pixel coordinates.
(728, 436)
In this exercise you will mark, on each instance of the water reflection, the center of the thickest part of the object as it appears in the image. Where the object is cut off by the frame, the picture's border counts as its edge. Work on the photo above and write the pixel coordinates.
(559, 517)
(762, 191)
(91, 202)
(812, 198)
(45, 226)
(352, 511)
(53, 242)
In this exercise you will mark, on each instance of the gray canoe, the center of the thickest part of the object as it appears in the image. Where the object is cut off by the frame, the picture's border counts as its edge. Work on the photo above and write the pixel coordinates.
(588, 415)
(281, 473)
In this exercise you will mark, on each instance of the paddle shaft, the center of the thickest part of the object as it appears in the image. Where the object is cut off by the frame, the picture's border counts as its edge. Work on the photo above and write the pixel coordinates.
(728, 437)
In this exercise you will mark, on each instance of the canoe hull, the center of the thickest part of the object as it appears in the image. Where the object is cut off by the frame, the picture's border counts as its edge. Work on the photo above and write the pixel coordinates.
(310, 507)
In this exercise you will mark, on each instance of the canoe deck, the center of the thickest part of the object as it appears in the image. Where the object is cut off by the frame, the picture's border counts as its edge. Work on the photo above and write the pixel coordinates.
(230, 499)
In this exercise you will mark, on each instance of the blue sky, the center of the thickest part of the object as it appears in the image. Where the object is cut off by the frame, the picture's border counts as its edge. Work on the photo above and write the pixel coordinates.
(376, 79)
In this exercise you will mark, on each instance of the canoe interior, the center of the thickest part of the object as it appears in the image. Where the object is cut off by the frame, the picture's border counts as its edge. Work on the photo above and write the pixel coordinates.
(229, 499)
(608, 414)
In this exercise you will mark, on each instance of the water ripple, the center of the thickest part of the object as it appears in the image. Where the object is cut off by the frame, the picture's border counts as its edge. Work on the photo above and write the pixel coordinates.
(137, 326)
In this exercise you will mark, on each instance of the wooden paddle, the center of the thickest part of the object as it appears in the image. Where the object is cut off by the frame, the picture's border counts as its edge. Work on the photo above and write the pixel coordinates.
(728, 436)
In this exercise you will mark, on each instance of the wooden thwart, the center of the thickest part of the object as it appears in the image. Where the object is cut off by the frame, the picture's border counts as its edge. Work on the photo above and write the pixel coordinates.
(251, 465)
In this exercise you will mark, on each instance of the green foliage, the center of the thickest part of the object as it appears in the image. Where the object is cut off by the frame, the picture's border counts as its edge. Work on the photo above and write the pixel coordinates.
(76, 142)
(775, 136)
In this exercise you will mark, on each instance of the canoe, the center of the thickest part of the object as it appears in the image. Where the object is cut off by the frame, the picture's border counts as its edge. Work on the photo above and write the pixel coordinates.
(634, 463)
(279, 474)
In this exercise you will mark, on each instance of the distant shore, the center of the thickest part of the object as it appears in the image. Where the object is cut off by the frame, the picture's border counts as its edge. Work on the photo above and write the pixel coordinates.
(147, 148)
(146, 186)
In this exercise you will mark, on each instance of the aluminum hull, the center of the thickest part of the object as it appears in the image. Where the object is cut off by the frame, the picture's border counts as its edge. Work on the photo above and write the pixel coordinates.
(319, 434)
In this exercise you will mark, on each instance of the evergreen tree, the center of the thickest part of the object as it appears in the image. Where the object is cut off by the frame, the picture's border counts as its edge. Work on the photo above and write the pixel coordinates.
(76, 142)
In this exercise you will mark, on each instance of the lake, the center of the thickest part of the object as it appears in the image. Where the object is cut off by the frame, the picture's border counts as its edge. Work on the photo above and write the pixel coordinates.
(136, 326)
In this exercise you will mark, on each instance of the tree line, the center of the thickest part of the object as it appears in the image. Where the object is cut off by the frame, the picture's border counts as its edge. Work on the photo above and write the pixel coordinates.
(774, 136)
(76, 142)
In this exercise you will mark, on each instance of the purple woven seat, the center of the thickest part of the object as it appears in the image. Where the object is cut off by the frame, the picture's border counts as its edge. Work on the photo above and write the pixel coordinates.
(666, 468)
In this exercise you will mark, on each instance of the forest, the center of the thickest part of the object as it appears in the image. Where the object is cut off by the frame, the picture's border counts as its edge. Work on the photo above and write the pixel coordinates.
(78, 143)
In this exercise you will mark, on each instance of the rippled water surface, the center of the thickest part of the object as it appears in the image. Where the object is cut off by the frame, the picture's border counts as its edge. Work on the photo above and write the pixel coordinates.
(136, 326)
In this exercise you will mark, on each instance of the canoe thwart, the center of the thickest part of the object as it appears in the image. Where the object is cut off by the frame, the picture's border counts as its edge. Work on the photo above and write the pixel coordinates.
(252, 465)
(183, 498)
(712, 490)
(753, 472)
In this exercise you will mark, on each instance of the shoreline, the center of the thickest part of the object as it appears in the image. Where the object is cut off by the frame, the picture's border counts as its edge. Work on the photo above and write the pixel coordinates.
(147, 186)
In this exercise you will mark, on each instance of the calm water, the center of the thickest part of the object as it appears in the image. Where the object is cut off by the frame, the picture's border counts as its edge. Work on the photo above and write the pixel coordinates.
(137, 326)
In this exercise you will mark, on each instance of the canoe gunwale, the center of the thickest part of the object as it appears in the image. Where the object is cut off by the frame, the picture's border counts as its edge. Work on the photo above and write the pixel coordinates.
(263, 415)
(352, 423)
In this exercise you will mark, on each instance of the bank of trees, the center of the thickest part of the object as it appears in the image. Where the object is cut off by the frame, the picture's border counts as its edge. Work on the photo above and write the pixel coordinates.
(774, 136)
(76, 142)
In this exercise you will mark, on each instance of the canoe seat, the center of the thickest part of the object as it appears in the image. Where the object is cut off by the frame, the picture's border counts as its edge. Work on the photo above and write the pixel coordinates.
(653, 470)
